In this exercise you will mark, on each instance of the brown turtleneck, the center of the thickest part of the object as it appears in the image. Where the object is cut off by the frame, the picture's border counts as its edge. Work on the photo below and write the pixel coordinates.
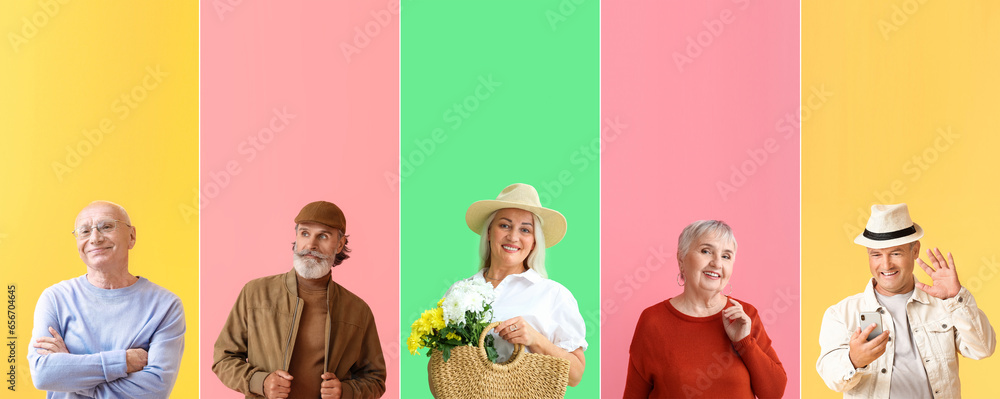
(306, 364)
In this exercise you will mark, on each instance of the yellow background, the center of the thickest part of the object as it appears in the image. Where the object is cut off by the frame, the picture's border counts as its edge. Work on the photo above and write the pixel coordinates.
(896, 84)
(66, 78)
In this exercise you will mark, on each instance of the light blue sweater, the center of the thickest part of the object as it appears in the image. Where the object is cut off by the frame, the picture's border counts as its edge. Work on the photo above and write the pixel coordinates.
(97, 326)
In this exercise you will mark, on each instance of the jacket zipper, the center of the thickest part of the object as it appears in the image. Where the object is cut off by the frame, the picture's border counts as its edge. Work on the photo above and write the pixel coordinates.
(284, 353)
(326, 345)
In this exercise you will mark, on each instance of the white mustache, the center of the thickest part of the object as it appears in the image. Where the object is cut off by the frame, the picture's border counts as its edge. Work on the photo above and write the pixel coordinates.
(305, 252)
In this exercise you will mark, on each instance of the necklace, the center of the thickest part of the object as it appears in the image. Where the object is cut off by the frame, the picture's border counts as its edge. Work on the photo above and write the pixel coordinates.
(488, 269)
(490, 278)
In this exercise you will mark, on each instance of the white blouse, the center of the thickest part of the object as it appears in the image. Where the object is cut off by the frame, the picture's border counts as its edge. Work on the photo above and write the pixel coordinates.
(545, 304)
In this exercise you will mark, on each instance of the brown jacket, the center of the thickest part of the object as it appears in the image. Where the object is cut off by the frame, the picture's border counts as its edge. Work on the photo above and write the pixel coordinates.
(260, 332)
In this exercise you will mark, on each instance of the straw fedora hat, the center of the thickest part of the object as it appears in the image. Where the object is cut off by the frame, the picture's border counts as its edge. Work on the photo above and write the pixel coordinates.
(520, 196)
(889, 226)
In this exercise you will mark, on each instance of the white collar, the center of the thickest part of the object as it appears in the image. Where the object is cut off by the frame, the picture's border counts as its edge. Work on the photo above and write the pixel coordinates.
(531, 275)
(918, 294)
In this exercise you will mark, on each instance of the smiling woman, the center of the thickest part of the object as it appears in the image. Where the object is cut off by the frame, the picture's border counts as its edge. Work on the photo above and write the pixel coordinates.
(533, 311)
(703, 342)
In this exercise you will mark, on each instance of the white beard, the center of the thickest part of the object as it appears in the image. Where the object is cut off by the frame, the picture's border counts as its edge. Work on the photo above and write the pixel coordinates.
(310, 268)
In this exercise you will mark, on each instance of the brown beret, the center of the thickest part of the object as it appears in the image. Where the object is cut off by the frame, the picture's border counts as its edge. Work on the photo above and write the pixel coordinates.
(323, 212)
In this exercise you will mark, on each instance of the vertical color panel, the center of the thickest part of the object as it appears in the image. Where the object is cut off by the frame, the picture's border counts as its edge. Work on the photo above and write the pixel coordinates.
(299, 103)
(100, 103)
(494, 94)
(699, 105)
(911, 117)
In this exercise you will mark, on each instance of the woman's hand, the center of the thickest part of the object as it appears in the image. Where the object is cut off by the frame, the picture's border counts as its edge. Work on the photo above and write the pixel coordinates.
(736, 321)
(524, 334)
(518, 331)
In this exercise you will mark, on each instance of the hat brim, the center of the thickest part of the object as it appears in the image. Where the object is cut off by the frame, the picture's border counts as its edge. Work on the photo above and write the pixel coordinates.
(879, 244)
(553, 222)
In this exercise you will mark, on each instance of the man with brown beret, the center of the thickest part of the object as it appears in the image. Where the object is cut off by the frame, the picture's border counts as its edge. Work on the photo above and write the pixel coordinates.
(300, 334)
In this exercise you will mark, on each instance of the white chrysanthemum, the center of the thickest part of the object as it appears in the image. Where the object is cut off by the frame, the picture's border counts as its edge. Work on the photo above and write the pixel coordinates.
(466, 296)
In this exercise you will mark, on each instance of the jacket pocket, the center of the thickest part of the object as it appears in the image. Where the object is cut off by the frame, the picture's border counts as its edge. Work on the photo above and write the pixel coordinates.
(941, 336)
(267, 332)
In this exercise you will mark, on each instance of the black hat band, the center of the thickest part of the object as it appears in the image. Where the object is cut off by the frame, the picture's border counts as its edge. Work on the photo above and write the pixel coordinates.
(890, 235)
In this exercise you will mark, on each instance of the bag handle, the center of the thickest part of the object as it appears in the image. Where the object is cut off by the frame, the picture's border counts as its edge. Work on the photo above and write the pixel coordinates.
(513, 361)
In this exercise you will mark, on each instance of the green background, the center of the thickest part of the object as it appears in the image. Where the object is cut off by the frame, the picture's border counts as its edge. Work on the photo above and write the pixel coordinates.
(539, 127)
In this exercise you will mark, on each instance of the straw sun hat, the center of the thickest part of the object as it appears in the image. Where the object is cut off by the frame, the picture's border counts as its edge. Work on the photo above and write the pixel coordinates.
(520, 196)
(889, 226)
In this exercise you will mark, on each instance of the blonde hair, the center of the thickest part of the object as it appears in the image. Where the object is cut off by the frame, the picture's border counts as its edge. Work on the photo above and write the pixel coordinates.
(534, 261)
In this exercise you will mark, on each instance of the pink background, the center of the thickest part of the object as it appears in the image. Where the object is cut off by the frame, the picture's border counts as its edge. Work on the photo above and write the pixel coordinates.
(685, 131)
(261, 56)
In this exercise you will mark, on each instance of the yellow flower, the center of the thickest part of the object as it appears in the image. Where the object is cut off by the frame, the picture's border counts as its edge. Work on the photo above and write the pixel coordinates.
(431, 321)
(420, 327)
(437, 318)
(452, 335)
(414, 343)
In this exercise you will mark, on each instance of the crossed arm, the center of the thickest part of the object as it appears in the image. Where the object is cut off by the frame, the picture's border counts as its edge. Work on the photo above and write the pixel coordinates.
(140, 372)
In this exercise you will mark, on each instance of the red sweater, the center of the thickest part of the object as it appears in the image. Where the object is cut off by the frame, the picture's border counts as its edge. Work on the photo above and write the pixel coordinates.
(674, 355)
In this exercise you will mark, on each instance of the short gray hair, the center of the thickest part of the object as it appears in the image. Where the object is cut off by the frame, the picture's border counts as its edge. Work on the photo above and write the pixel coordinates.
(697, 229)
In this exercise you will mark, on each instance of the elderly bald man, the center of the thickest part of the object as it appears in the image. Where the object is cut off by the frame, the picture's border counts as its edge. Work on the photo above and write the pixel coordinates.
(107, 333)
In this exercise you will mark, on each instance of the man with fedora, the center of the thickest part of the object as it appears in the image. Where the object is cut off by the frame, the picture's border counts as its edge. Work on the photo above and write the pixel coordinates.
(300, 334)
(915, 356)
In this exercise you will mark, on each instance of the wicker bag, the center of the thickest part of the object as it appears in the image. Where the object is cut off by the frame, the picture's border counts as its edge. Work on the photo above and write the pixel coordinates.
(469, 374)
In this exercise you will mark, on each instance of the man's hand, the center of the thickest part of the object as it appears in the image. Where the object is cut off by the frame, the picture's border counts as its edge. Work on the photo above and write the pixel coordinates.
(735, 321)
(49, 345)
(330, 389)
(277, 384)
(943, 275)
(863, 352)
(135, 360)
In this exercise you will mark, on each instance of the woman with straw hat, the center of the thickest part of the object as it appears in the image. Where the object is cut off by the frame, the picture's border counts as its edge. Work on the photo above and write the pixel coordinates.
(536, 312)
(703, 342)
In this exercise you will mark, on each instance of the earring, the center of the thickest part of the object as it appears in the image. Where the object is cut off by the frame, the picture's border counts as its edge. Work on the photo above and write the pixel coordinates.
(730, 289)
(680, 279)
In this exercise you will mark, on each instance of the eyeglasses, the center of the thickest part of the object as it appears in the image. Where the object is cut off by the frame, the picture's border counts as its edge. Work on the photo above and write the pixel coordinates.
(104, 226)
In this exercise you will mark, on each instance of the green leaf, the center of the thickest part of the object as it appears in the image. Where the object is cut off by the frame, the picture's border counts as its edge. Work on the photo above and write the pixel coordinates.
(491, 350)
(446, 352)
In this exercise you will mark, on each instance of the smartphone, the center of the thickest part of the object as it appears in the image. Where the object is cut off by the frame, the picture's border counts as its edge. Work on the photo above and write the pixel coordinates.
(867, 318)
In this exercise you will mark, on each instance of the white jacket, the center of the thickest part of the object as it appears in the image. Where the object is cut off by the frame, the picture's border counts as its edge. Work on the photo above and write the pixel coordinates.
(941, 328)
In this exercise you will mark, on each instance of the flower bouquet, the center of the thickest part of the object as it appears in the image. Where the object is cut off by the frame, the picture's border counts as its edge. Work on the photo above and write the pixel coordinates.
(458, 320)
